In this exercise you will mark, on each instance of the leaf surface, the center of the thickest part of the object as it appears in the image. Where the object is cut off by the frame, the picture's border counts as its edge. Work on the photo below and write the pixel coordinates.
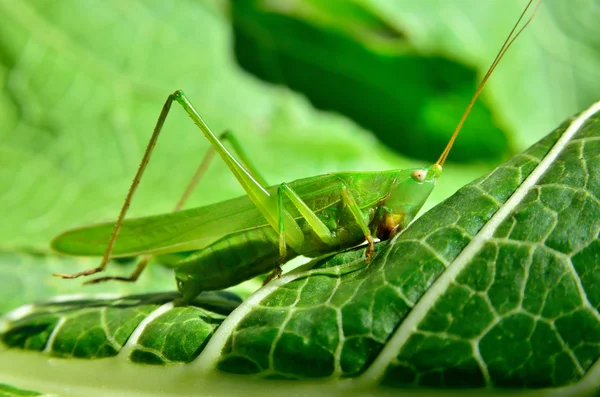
(495, 288)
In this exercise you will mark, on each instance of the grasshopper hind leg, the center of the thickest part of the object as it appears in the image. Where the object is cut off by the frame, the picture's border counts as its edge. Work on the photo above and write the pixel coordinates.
(200, 171)
(139, 268)
(227, 135)
(276, 273)
(134, 185)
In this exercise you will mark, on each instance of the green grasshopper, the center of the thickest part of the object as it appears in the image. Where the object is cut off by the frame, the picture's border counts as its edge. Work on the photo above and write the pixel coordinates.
(241, 238)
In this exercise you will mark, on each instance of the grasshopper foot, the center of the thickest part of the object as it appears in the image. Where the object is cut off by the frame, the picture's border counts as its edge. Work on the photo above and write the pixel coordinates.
(110, 278)
(276, 273)
(370, 252)
(80, 274)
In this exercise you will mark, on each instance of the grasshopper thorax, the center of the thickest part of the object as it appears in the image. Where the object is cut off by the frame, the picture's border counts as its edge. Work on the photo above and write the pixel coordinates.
(407, 195)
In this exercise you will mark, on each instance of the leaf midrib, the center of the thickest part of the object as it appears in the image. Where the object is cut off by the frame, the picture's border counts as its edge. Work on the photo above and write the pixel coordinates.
(377, 370)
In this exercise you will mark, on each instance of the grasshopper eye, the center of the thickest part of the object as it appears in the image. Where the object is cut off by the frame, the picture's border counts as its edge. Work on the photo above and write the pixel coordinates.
(180, 284)
(419, 175)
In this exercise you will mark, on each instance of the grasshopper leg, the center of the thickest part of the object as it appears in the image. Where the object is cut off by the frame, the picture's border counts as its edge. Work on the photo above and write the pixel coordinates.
(200, 171)
(134, 185)
(247, 177)
(316, 224)
(237, 148)
(358, 217)
(276, 273)
(139, 268)
(266, 204)
(313, 220)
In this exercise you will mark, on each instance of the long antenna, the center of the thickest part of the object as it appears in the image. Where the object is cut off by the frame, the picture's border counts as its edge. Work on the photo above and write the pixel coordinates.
(514, 33)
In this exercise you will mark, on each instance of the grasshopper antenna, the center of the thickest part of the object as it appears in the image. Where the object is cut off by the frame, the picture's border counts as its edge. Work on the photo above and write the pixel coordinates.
(514, 33)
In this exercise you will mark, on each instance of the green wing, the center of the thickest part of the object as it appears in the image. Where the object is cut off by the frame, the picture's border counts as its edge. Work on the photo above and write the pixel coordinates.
(186, 230)
(197, 228)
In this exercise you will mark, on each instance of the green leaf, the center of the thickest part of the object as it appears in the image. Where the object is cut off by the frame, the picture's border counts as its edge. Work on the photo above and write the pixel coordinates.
(402, 68)
(8, 391)
(500, 314)
(338, 53)
(95, 328)
(495, 288)
(558, 47)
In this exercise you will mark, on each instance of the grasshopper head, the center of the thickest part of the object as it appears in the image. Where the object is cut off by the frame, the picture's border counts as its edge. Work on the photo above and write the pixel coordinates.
(188, 287)
(407, 195)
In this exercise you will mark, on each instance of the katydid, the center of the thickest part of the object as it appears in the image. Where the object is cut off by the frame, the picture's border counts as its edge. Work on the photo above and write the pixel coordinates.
(238, 239)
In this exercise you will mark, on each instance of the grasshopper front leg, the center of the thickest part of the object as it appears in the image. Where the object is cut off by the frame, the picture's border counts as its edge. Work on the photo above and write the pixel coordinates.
(313, 220)
(316, 224)
(360, 221)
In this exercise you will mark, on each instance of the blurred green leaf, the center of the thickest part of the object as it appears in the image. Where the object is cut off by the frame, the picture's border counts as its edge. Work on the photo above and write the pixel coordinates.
(8, 391)
(552, 72)
(346, 59)
(406, 69)
(27, 277)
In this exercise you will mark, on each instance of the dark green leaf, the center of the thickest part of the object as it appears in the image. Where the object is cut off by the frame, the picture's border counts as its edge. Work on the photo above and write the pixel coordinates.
(8, 391)
(338, 53)
(95, 328)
